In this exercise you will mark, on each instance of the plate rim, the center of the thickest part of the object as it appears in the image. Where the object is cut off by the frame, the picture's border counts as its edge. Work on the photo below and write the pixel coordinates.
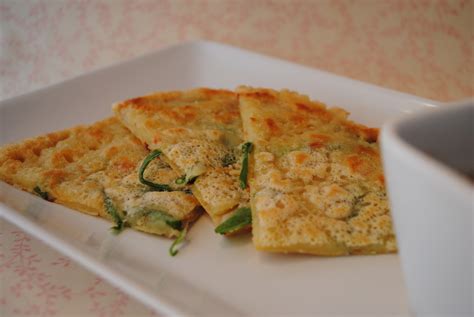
(128, 285)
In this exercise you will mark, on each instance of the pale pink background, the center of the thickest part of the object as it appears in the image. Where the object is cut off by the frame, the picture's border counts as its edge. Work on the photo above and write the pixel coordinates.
(419, 47)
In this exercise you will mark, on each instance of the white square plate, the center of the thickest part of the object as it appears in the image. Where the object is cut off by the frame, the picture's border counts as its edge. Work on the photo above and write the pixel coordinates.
(212, 275)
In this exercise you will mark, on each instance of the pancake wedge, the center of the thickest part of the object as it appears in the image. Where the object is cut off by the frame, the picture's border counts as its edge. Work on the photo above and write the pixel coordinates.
(94, 169)
(199, 133)
(316, 183)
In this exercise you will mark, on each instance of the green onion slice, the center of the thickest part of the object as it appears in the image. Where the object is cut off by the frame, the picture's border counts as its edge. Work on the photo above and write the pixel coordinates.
(166, 218)
(159, 187)
(41, 193)
(246, 149)
(228, 159)
(173, 251)
(181, 180)
(184, 180)
(112, 211)
(240, 219)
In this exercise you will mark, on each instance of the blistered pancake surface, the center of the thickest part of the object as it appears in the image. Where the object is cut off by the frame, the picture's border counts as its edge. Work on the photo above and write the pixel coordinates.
(199, 132)
(316, 178)
(81, 166)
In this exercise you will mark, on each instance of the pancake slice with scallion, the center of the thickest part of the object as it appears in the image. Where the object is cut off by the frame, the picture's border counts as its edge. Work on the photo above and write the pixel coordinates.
(95, 169)
(199, 133)
(316, 179)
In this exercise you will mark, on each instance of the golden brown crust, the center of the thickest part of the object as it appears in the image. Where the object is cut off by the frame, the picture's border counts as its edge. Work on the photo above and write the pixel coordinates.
(317, 183)
(191, 109)
(196, 130)
(79, 166)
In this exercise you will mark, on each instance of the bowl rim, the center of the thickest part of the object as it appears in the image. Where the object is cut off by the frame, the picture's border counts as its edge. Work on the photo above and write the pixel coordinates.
(395, 146)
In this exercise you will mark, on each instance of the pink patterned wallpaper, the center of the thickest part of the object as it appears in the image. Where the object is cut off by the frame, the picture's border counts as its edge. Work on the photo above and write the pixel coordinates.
(422, 47)
(37, 281)
(416, 46)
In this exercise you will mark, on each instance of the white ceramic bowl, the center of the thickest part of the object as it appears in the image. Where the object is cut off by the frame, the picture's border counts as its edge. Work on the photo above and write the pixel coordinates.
(427, 158)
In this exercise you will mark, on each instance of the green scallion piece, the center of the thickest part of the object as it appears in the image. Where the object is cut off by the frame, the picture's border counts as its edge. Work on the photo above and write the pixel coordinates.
(173, 251)
(228, 159)
(184, 180)
(181, 180)
(240, 219)
(246, 149)
(166, 218)
(159, 187)
(112, 211)
(41, 193)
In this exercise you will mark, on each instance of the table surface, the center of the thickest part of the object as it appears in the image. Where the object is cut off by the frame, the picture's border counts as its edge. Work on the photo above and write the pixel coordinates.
(423, 48)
